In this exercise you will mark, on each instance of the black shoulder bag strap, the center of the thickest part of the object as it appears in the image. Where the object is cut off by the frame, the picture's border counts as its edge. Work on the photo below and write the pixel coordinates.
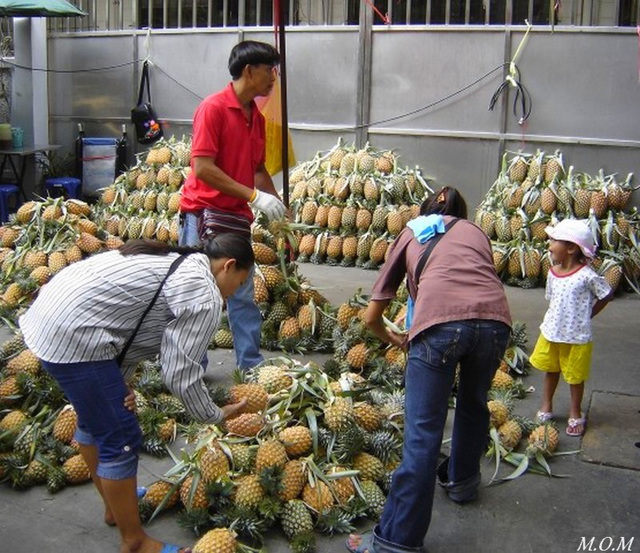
(432, 243)
(172, 269)
(144, 83)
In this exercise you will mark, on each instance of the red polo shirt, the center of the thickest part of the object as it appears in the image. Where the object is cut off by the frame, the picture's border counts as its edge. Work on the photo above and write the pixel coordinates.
(221, 131)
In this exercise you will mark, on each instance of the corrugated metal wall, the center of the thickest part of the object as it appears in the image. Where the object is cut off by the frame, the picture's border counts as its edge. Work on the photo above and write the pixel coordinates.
(583, 83)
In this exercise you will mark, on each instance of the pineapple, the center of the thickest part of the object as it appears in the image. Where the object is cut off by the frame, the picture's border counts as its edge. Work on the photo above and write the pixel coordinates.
(548, 200)
(289, 329)
(346, 312)
(318, 496)
(498, 411)
(347, 164)
(88, 243)
(322, 216)
(260, 290)
(223, 338)
(543, 439)
(249, 491)
(13, 421)
(367, 416)
(193, 494)
(309, 212)
(334, 219)
(358, 356)
(394, 222)
(343, 488)
(24, 362)
(271, 454)
(334, 249)
(554, 170)
(156, 494)
(65, 426)
(218, 540)
(518, 169)
(373, 497)
(255, 395)
(510, 434)
(76, 470)
(272, 277)
(385, 163)
(296, 439)
(296, 519)
(348, 218)
(370, 467)
(293, 480)
(338, 414)
(502, 381)
(378, 250)
(273, 379)
(9, 391)
(247, 424)
(264, 254)
(213, 464)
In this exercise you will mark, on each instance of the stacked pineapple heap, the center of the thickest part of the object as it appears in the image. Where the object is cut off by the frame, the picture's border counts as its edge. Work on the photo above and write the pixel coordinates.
(296, 316)
(309, 453)
(41, 239)
(533, 191)
(144, 201)
(357, 200)
(358, 350)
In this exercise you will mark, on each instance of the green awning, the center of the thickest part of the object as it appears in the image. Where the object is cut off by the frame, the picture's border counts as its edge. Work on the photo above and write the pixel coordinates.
(38, 8)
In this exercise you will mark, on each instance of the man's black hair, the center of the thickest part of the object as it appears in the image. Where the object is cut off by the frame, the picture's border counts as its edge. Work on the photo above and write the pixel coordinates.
(250, 52)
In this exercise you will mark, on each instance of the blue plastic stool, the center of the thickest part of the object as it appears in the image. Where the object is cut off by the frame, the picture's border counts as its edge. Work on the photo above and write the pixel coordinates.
(67, 186)
(7, 191)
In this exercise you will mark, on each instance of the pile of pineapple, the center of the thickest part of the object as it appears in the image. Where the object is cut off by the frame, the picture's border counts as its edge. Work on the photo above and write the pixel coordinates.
(533, 191)
(309, 453)
(357, 202)
(41, 239)
(144, 201)
(296, 316)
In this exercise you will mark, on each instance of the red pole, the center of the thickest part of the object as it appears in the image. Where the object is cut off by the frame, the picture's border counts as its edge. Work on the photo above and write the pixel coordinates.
(279, 23)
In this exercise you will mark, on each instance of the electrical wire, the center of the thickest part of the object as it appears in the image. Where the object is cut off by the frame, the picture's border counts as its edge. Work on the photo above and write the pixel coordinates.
(522, 93)
(522, 98)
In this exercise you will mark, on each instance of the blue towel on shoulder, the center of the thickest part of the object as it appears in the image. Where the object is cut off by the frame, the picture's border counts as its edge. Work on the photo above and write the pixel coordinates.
(423, 227)
(426, 226)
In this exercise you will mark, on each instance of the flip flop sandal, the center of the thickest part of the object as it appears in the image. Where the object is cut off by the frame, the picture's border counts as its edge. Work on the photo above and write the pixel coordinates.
(544, 416)
(573, 425)
(170, 548)
(366, 545)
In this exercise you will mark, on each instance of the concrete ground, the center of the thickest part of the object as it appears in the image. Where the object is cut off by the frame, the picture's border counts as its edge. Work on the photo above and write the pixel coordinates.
(592, 509)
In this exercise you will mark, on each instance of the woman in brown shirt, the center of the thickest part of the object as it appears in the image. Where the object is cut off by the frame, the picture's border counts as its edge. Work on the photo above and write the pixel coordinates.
(460, 317)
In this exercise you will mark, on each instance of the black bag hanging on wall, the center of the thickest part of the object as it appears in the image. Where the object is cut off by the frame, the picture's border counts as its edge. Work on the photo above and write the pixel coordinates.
(143, 116)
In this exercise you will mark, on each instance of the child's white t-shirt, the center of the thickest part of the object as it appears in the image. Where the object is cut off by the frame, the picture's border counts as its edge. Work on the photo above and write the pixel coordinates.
(571, 299)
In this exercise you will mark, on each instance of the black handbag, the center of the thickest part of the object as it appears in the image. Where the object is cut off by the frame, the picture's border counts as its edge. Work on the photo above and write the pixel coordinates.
(143, 116)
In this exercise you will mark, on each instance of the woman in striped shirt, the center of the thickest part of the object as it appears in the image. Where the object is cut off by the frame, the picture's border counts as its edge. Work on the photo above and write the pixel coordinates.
(94, 321)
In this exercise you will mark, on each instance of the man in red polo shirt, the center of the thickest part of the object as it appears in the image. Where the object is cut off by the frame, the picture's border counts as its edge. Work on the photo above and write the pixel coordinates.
(228, 177)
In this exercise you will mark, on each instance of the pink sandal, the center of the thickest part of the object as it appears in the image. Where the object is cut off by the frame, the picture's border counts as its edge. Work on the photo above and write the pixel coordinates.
(544, 416)
(576, 427)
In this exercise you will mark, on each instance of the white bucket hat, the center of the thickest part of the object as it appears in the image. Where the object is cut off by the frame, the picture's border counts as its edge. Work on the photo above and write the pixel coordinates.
(576, 231)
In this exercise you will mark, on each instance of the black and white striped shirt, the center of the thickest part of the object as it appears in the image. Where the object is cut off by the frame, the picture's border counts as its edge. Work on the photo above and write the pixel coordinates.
(88, 311)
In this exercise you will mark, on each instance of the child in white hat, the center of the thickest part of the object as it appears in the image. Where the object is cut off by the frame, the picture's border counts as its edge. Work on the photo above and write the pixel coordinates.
(576, 294)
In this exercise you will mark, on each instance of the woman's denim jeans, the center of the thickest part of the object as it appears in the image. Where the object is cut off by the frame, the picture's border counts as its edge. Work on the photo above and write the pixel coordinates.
(245, 318)
(478, 346)
(96, 389)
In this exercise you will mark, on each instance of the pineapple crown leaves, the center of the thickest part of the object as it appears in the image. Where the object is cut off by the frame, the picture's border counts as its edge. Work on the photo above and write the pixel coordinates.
(335, 521)
(196, 520)
(305, 542)
(271, 480)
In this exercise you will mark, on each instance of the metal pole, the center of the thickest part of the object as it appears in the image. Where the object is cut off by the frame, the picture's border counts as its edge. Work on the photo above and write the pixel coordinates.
(363, 87)
(283, 100)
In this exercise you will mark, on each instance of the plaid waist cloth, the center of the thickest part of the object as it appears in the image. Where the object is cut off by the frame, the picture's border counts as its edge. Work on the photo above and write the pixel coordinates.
(213, 221)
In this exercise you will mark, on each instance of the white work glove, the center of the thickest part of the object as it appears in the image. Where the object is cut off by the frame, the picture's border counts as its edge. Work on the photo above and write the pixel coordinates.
(271, 206)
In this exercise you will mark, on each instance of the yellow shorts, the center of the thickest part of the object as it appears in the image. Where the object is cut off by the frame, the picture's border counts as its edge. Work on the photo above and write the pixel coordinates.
(573, 360)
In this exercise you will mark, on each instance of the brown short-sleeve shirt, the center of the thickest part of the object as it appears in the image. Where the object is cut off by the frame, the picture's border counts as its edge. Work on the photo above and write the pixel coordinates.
(459, 281)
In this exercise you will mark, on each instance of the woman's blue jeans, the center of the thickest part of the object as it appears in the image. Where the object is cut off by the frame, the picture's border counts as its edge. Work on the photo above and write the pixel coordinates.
(97, 389)
(245, 318)
(478, 346)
